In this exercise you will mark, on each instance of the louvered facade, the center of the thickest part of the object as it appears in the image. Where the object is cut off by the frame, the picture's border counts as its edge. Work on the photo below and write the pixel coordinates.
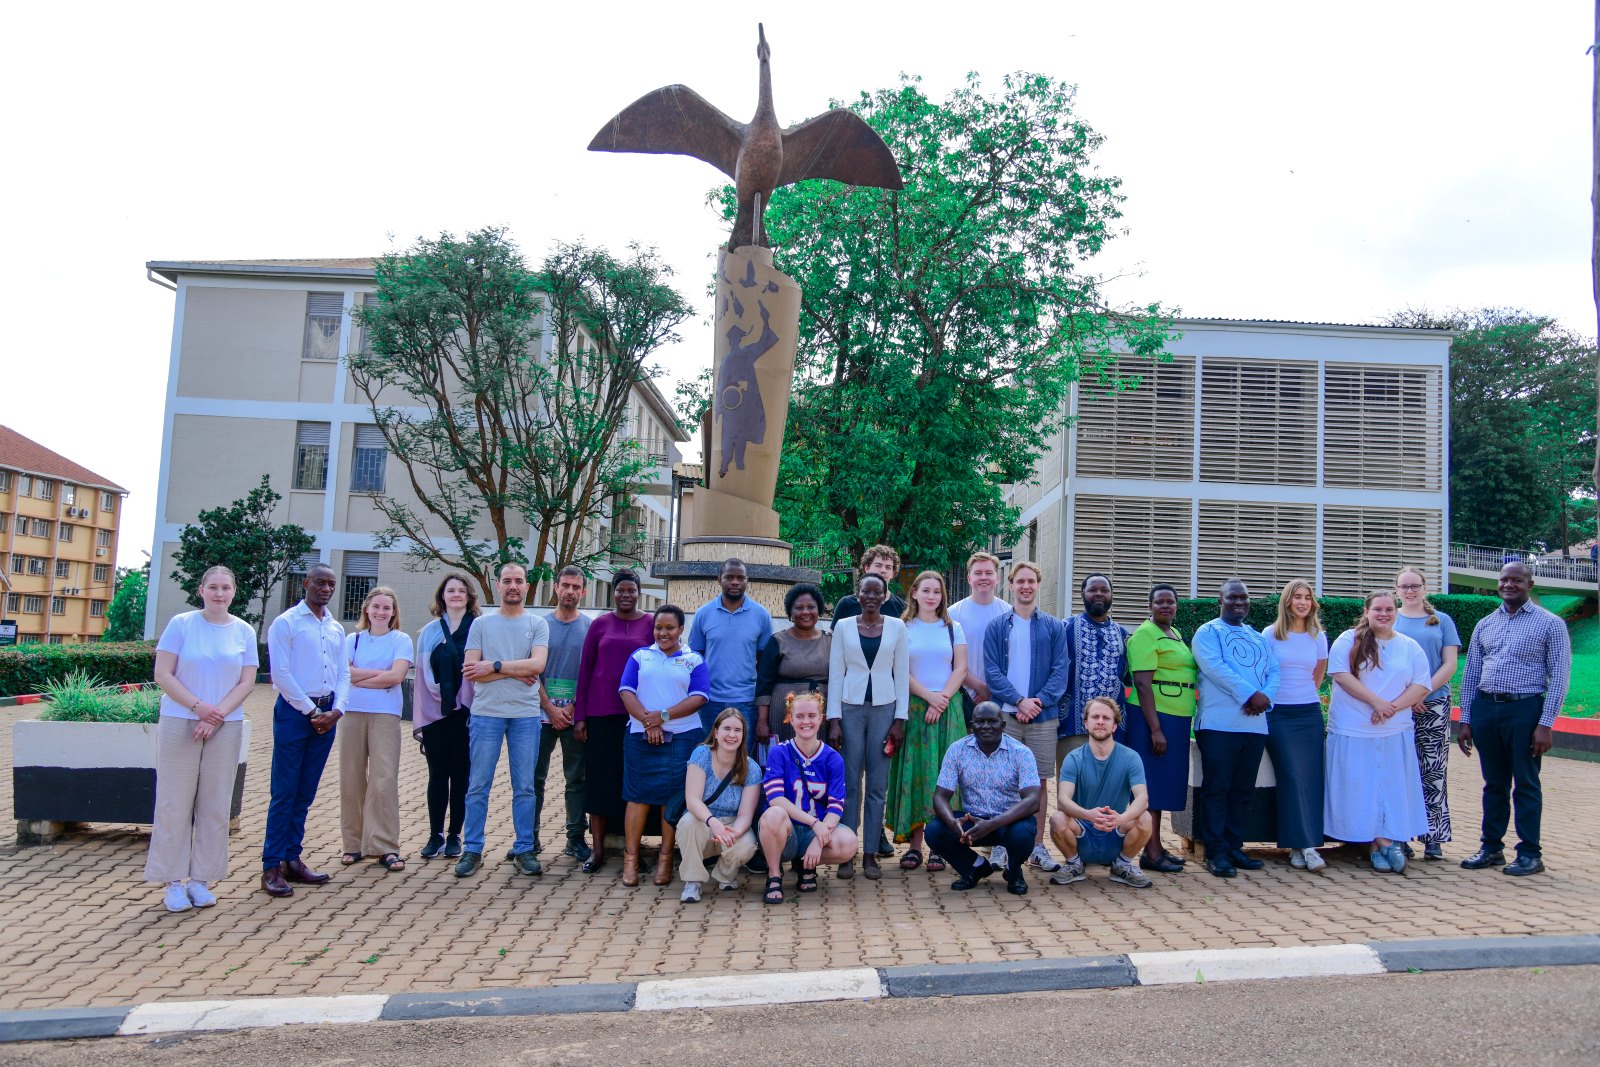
(1265, 450)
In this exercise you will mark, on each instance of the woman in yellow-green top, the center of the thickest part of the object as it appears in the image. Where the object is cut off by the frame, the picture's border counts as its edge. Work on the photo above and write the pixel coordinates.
(1159, 716)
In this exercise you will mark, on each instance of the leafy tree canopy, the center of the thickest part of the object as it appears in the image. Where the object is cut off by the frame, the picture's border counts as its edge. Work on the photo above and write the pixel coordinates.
(242, 537)
(125, 615)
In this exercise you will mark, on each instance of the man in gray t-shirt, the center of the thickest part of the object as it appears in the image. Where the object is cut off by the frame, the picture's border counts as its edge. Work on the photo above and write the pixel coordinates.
(559, 686)
(506, 652)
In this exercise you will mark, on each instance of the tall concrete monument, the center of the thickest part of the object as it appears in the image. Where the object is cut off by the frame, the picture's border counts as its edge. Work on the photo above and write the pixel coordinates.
(757, 313)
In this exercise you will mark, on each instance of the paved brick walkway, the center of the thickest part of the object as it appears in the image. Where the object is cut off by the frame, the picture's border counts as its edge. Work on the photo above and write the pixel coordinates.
(81, 928)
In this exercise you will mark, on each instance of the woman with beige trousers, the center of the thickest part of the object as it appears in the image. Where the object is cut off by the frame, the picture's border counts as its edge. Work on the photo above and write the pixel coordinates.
(380, 655)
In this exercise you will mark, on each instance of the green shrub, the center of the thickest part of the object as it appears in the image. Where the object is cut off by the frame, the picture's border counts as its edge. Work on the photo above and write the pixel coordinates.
(1339, 613)
(79, 696)
(30, 668)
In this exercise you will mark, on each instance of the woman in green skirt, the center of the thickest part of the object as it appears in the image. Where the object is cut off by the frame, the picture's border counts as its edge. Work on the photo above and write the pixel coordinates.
(938, 667)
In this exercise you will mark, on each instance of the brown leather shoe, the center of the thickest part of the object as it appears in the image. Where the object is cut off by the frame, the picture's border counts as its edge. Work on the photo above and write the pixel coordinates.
(295, 871)
(273, 884)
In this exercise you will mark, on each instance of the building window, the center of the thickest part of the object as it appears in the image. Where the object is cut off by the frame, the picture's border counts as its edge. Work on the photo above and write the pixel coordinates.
(24, 485)
(368, 301)
(19, 563)
(311, 455)
(102, 539)
(13, 601)
(22, 524)
(324, 313)
(108, 501)
(28, 639)
(58, 639)
(33, 605)
(41, 528)
(102, 572)
(69, 493)
(36, 566)
(44, 489)
(63, 568)
(360, 575)
(367, 460)
(97, 609)
(64, 532)
(5, 481)
(58, 605)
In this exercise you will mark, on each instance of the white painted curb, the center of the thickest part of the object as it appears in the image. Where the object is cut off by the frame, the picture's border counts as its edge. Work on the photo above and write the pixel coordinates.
(857, 983)
(240, 1014)
(1241, 964)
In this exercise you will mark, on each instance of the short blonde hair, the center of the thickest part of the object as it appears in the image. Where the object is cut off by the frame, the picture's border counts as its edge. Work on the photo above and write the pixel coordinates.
(983, 557)
(377, 591)
(1025, 564)
(1116, 709)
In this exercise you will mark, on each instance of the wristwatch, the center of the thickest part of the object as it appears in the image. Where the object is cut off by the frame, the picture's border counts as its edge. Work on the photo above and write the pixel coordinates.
(666, 714)
(497, 666)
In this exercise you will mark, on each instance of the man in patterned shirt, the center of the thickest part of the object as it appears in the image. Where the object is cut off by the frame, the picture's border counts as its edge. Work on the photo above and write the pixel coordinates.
(1516, 678)
(999, 784)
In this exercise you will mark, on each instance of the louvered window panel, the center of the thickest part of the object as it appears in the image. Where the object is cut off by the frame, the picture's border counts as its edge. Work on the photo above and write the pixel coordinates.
(1258, 421)
(1142, 431)
(1266, 544)
(1137, 541)
(1383, 427)
(1363, 548)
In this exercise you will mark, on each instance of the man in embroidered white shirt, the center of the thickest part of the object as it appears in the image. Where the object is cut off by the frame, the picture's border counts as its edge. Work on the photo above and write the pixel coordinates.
(305, 646)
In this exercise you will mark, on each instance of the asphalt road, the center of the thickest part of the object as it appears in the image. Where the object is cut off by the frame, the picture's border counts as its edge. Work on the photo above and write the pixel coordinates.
(1522, 1017)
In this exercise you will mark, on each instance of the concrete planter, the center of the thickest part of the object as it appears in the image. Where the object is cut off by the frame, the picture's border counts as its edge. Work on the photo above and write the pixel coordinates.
(1261, 821)
(82, 772)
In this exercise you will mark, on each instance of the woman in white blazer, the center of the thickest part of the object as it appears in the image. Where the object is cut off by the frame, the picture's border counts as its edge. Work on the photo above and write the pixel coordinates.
(869, 696)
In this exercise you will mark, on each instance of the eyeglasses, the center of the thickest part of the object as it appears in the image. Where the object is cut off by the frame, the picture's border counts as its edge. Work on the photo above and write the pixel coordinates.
(1409, 588)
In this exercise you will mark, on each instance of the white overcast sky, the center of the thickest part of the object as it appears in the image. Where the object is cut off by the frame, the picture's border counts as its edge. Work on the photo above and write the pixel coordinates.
(1288, 161)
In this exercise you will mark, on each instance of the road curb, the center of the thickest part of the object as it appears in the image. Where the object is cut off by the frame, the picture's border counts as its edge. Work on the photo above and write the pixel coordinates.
(857, 983)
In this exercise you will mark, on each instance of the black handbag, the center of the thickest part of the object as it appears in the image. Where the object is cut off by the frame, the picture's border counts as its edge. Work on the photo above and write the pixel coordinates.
(675, 809)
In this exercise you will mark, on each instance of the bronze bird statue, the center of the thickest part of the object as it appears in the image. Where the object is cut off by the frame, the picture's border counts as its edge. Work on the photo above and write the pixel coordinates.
(759, 155)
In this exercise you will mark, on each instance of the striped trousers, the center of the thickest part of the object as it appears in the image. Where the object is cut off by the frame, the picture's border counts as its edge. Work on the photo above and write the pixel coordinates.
(1433, 758)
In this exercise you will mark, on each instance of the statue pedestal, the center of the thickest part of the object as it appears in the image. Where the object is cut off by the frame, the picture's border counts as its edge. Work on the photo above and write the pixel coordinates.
(692, 578)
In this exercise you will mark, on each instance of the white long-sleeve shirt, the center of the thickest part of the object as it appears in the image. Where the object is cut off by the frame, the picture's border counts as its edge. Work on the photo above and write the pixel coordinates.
(307, 658)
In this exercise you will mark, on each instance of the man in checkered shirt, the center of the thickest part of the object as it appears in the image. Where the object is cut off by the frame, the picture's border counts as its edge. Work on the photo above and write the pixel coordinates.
(1516, 678)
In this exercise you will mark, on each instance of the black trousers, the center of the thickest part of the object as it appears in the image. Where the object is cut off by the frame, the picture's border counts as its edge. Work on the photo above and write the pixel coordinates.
(1503, 734)
(1017, 837)
(449, 756)
(1228, 766)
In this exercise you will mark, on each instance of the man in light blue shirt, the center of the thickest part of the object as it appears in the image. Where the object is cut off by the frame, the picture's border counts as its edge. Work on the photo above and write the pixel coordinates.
(728, 632)
(1238, 681)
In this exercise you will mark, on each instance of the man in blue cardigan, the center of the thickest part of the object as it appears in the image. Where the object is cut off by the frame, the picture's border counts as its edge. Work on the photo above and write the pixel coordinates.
(1025, 666)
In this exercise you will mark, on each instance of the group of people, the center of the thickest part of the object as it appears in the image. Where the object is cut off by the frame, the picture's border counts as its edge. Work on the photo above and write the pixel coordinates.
(919, 723)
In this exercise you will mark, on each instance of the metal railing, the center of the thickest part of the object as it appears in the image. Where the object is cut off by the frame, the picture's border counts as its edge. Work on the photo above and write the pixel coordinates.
(1491, 558)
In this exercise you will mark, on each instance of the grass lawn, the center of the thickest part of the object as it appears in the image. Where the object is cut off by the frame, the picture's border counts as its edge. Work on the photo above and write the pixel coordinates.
(1583, 694)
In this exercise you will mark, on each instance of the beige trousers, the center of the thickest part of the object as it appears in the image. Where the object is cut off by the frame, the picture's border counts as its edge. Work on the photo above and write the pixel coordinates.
(369, 782)
(695, 844)
(194, 792)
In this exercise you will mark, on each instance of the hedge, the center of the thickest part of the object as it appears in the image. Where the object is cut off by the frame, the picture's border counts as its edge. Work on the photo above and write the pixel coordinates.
(1339, 613)
(29, 668)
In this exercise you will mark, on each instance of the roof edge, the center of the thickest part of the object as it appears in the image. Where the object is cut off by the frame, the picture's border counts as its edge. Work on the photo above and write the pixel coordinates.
(170, 269)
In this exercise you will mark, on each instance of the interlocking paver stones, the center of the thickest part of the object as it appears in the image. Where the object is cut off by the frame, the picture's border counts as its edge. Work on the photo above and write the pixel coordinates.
(83, 929)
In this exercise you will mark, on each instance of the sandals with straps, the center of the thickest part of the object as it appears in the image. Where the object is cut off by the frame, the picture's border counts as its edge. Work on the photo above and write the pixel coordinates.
(774, 893)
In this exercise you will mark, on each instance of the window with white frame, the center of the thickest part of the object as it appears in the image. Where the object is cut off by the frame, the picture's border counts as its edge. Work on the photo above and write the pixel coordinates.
(13, 601)
(64, 532)
(44, 489)
(33, 605)
(97, 609)
(311, 455)
(108, 501)
(69, 493)
(40, 528)
(29, 639)
(324, 315)
(367, 460)
(102, 572)
(58, 605)
(63, 569)
(102, 539)
(368, 301)
(5, 481)
(360, 575)
(24, 485)
(19, 563)
(21, 524)
(36, 565)
(58, 639)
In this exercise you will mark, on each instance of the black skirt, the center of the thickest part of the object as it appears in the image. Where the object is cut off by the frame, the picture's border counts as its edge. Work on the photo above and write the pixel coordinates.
(602, 756)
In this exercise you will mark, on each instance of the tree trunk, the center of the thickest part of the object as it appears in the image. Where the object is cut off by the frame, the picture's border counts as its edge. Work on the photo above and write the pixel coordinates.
(1594, 201)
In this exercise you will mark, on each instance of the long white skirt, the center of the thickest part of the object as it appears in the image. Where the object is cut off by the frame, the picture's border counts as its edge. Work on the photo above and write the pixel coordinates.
(1374, 788)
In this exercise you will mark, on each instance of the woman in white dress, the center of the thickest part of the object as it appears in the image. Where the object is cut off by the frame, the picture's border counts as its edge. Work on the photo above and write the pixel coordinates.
(1374, 784)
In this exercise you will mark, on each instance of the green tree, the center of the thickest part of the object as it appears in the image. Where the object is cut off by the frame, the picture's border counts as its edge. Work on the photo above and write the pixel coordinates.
(942, 325)
(242, 537)
(1522, 433)
(125, 616)
(501, 422)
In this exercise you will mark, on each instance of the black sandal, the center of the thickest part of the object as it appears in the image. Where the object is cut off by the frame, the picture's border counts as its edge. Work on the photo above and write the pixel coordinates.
(911, 860)
(774, 893)
(807, 881)
(391, 861)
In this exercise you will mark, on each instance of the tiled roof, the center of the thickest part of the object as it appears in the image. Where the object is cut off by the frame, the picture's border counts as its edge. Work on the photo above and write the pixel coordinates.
(29, 456)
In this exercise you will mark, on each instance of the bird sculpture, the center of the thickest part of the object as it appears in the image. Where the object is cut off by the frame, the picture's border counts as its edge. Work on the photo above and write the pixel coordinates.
(759, 155)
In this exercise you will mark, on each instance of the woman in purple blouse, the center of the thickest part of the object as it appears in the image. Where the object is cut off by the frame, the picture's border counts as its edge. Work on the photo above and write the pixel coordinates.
(600, 720)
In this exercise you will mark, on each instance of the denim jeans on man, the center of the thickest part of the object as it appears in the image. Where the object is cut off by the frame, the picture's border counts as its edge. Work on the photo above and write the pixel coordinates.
(1017, 838)
(1503, 734)
(571, 768)
(299, 754)
(521, 736)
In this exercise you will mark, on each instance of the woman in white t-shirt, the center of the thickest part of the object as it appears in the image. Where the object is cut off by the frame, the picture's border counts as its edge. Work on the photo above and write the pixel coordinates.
(938, 667)
(206, 665)
(1374, 785)
(380, 655)
(1295, 731)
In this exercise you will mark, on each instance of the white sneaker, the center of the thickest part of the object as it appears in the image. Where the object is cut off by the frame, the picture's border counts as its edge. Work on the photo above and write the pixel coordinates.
(691, 892)
(200, 895)
(1042, 859)
(1000, 858)
(177, 898)
(1313, 859)
(1296, 860)
(727, 887)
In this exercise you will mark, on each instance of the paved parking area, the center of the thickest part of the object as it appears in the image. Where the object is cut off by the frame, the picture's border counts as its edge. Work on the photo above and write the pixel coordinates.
(83, 929)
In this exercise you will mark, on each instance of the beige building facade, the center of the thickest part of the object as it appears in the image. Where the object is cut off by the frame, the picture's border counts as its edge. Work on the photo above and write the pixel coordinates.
(58, 543)
(257, 384)
(1267, 450)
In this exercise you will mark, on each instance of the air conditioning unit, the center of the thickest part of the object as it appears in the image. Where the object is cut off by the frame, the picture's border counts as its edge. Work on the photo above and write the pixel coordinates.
(99, 551)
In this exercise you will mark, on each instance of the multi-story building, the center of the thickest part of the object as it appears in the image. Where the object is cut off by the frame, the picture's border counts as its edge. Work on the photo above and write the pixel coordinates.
(257, 384)
(58, 539)
(1268, 450)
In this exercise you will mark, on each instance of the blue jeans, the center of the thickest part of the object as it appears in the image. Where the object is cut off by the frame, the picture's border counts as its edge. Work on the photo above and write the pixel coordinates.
(521, 738)
(298, 755)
